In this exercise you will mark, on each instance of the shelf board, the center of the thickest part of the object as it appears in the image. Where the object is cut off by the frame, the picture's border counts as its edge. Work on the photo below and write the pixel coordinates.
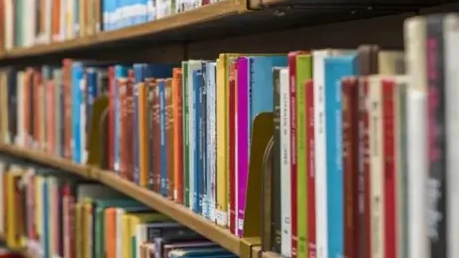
(166, 206)
(45, 159)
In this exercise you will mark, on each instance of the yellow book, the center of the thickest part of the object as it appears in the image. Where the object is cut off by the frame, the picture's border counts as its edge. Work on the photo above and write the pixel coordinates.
(4, 106)
(223, 63)
(38, 207)
(14, 219)
(143, 135)
(52, 206)
(88, 226)
(126, 236)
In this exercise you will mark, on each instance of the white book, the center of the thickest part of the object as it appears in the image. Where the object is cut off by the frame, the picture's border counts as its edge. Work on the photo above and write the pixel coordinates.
(374, 102)
(320, 153)
(415, 37)
(212, 144)
(451, 41)
(285, 169)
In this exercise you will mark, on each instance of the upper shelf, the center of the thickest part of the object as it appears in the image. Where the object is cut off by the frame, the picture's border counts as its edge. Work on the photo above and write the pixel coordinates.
(219, 20)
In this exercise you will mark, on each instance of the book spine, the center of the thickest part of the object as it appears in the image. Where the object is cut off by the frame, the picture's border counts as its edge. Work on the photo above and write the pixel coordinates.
(276, 220)
(185, 108)
(203, 143)
(111, 117)
(376, 163)
(191, 134)
(137, 129)
(232, 104)
(286, 110)
(311, 169)
(150, 91)
(212, 142)
(290, 175)
(143, 141)
(350, 159)
(156, 139)
(178, 134)
(390, 180)
(162, 129)
(451, 39)
(436, 182)
(169, 131)
(242, 151)
(222, 142)
(208, 139)
(320, 157)
(197, 175)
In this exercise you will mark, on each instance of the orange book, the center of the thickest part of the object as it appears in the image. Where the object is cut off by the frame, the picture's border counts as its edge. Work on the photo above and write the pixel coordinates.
(178, 133)
(110, 233)
(143, 134)
(56, 19)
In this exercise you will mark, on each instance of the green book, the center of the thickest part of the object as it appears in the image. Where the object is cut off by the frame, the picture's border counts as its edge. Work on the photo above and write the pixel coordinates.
(186, 194)
(303, 73)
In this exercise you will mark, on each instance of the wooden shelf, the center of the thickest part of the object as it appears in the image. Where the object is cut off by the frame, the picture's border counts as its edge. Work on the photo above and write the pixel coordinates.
(164, 30)
(168, 207)
(45, 159)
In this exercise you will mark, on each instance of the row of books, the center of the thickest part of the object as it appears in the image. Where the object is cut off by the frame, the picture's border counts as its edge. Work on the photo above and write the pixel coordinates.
(53, 214)
(351, 134)
(27, 23)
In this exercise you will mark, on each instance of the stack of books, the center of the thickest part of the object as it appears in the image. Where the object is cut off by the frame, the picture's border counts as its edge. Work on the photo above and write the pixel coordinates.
(53, 214)
(28, 23)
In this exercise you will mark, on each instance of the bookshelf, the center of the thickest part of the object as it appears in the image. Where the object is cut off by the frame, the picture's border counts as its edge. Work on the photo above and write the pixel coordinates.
(168, 207)
(206, 32)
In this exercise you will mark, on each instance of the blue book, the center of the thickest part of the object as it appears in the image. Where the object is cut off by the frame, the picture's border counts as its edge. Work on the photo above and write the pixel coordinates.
(336, 67)
(197, 191)
(261, 75)
(139, 77)
(121, 72)
(163, 151)
(78, 90)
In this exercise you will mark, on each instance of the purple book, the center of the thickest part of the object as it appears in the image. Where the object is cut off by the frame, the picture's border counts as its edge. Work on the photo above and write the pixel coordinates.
(242, 139)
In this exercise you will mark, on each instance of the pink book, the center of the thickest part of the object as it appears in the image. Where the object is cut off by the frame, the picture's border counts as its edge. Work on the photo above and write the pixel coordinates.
(242, 139)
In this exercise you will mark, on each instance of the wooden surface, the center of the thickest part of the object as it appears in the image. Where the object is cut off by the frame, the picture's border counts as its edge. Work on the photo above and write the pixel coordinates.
(176, 211)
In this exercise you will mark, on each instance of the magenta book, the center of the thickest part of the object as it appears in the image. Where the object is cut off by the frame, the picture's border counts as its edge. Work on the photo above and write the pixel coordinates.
(242, 139)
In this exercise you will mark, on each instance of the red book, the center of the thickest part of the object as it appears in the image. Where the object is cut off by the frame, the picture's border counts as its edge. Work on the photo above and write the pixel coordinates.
(129, 127)
(310, 157)
(390, 202)
(111, 118)
(293, 155)
(364, 168)
(232, 148)
(350, 95)
(122, 82)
